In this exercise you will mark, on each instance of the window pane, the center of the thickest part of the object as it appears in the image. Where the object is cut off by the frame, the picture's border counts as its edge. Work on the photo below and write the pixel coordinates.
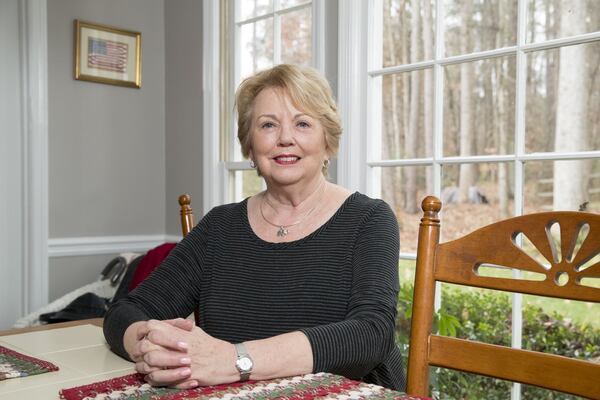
(475, 195)
(405, 131)
(400, 45)
(562, 185)
(473, 26)
(296, 37)
(246, 183)
(256, 47)
(403, 188)
(551, 19)
(291, 3)
(253, 8)
(479, 107)
(563, 96)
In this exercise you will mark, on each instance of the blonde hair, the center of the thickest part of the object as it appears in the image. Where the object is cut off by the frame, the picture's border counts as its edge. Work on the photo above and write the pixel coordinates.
(309, 92)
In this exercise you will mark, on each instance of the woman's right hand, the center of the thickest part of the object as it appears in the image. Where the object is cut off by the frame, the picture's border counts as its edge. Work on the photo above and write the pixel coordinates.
(137, 342)
(140, 343)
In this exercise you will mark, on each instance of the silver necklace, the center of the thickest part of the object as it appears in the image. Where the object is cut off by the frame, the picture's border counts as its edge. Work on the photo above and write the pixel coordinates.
(282, 230)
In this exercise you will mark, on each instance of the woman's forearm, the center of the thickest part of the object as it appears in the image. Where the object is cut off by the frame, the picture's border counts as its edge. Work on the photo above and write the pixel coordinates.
(280, 356)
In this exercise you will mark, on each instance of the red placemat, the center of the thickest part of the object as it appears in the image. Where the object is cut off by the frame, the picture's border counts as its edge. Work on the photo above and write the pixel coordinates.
(306, 387)
(16, 365)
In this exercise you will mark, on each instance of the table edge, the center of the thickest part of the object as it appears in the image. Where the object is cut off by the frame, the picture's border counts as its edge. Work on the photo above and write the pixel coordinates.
(15, 331)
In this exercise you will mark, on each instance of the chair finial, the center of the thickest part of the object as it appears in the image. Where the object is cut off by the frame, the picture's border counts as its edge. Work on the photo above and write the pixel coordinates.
(185, 199)
(431, 204)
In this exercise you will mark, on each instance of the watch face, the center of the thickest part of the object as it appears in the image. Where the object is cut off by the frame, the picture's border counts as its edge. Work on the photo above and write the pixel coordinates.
(244, 364)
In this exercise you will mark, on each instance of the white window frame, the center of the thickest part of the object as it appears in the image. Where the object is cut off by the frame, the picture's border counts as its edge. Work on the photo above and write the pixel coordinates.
(360, 107)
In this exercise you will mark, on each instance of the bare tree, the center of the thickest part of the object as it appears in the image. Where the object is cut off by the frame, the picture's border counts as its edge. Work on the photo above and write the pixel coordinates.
(428, 87)
(392, 178)
(571, 110)
(467, 171)
(410, 144)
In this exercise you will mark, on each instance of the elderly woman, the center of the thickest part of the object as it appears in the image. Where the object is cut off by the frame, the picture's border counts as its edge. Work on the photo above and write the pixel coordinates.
(300, 278)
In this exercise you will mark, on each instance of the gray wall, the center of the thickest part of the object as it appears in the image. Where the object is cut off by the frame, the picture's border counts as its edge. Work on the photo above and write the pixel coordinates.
(119, 157)
(106, 142)
(183, 132)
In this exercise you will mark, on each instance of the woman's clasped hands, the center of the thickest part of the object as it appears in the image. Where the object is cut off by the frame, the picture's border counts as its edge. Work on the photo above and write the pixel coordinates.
(178, 354)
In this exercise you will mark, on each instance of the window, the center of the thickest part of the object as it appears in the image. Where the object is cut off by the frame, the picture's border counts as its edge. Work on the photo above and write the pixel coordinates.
(489, 105)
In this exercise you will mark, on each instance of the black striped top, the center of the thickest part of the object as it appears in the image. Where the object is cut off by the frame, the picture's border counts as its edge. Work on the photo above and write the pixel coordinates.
(338, 285)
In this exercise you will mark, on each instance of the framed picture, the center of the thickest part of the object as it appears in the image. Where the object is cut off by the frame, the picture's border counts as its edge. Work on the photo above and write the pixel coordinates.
(107, 55)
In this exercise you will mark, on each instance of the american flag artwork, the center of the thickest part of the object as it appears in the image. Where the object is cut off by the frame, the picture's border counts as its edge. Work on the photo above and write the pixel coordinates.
(107, 55)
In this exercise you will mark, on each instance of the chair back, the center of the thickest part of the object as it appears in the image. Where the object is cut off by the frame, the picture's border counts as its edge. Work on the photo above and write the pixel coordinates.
(187, 224)
(567, 266)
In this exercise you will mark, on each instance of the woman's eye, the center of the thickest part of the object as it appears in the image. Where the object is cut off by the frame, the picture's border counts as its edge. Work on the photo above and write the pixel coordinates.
(303, 124)
(267, 125)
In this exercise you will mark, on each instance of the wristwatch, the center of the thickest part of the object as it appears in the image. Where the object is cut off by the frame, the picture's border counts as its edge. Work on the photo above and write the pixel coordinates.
(243, 363)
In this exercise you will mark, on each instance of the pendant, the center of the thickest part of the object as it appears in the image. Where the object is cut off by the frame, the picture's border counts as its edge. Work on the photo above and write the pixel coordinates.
(282, 231)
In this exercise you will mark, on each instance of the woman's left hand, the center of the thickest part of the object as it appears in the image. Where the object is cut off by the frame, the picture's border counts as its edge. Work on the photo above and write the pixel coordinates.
(207, 361)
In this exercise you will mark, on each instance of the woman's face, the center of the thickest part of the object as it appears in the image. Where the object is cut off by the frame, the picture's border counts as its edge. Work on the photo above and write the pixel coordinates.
(287, 145)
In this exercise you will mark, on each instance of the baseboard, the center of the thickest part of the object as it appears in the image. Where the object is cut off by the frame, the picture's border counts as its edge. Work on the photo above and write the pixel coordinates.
(86, 246)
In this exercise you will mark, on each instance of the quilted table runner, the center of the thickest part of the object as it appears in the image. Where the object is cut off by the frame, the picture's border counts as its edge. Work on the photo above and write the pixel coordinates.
(16, 365)
(306, 387)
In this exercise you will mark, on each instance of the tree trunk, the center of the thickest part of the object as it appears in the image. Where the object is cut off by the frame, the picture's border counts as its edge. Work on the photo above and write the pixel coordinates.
(410, 144)
(428, 89)
(467, 171)
(391, 179)
(571, 111)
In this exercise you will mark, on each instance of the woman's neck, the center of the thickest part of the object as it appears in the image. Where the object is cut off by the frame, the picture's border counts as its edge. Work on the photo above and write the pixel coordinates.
(294, 199)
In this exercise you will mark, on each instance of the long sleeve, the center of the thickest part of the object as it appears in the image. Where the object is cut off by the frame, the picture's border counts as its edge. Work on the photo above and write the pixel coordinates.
(356, 345)
(171, 291)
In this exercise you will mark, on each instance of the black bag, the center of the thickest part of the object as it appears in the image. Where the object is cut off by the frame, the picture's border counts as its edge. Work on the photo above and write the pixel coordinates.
(88, 305)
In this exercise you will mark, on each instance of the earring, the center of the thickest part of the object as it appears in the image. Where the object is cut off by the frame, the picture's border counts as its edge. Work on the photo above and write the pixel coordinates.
(252, 164)
(326, 163)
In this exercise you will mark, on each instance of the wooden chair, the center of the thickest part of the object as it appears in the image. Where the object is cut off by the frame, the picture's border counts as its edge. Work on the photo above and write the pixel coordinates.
(187, 223)
(459, 262)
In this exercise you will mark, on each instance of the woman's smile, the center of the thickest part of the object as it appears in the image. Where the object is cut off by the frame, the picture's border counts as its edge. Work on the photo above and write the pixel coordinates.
(286, 159)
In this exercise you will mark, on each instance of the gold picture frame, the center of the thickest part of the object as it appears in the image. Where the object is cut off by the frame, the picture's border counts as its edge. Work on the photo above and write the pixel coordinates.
(105, 54)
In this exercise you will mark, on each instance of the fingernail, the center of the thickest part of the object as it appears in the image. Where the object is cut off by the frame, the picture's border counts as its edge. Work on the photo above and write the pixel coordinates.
(182, 345)
(185, 360)
(192, 384)
(185, 372)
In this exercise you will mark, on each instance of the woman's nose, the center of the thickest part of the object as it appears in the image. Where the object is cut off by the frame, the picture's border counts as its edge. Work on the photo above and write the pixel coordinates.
(286, 135)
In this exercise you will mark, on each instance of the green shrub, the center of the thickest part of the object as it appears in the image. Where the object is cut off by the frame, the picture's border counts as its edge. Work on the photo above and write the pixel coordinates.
(486, 316)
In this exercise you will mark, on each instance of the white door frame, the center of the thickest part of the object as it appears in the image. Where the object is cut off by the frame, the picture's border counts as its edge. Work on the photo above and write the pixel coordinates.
(34, 42)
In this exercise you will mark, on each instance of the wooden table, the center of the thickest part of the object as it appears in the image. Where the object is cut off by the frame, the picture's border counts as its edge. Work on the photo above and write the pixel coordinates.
(77, 348)
(83, 357)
